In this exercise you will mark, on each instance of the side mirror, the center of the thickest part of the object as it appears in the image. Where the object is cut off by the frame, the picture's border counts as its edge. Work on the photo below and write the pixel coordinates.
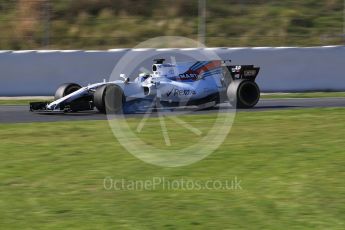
(125, 78)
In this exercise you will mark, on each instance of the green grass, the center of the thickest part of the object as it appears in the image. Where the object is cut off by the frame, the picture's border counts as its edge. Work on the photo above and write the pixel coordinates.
(304, 95)
(19, 101)
(290, 162)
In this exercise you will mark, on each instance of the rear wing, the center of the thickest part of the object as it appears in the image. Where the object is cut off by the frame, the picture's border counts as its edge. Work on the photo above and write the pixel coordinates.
(249, 72)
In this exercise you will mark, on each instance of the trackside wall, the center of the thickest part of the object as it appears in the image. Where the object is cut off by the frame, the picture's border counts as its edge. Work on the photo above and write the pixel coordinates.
(34, 73)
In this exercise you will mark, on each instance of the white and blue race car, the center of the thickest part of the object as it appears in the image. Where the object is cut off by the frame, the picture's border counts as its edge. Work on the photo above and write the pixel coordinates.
(167, 86)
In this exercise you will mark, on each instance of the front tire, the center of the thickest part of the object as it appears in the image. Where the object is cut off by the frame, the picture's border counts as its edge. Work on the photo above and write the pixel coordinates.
(66, 89)
(109, 99)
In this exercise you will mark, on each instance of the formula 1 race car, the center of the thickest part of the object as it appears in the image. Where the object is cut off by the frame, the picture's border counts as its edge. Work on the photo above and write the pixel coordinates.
(169, 85)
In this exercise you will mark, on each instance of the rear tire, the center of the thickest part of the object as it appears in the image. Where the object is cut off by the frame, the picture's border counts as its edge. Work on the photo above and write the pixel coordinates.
(243, 94)
(66, 89)
(109, 99)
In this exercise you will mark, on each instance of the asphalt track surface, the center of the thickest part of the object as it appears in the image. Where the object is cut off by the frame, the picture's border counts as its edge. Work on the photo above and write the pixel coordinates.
(21, 113)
